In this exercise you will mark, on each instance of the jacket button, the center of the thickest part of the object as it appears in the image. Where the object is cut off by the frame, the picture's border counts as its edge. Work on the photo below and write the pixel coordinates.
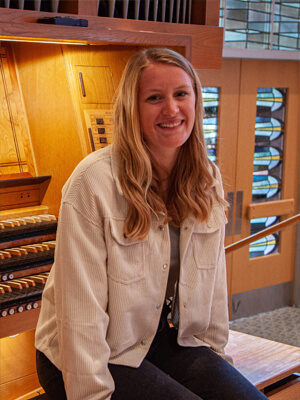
(161, 227)
(158, 306)
(165, 266)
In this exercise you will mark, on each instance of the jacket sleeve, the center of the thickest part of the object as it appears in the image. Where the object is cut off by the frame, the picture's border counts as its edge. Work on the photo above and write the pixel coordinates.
(81, 303)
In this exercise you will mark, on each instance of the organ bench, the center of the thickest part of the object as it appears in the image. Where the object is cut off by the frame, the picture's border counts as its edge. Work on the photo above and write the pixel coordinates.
(274, 368)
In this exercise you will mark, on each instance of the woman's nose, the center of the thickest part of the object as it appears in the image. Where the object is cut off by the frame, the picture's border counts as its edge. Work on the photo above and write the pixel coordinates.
(170, 107)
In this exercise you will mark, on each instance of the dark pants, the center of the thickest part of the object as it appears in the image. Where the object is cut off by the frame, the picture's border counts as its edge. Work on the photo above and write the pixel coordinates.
(169, 372)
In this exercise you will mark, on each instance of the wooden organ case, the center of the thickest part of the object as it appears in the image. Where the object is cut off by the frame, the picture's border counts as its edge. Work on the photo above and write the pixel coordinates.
(56, 105)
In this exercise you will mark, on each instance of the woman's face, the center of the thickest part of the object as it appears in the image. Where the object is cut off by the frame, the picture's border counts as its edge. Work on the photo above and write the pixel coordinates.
(166, 107)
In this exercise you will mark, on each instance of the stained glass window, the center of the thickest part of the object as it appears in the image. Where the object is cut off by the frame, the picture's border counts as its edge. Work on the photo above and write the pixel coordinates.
(210, 121)
(268, 244)
(268, 153)
(261, 24)
(267, 162)
(264, 246)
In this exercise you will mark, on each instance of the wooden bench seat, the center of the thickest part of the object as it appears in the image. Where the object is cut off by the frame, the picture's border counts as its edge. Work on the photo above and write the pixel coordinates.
(274, 368)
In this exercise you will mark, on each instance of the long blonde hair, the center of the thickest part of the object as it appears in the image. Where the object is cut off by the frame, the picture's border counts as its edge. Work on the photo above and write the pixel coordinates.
(191, 181)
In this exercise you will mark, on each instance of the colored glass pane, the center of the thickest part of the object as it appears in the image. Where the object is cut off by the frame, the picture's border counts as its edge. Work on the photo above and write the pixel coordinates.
(266, 158)
(267, 129)
(267, 245)
(269, 98)
(259, 224)
(210, 121)
(264, 246)
(264, 187)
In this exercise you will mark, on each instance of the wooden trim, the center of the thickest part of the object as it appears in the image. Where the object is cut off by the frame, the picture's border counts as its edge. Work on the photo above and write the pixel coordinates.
(19, 322)
(206, 12)
(80, 35)
(290, 390)
(83, 7)
(202, 44)
(270, 208)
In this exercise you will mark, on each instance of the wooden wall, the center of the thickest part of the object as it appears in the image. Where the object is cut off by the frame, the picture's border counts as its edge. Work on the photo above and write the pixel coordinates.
(55, 107)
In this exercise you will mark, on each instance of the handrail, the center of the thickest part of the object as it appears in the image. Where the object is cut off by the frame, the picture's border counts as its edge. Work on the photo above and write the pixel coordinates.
(263, 233)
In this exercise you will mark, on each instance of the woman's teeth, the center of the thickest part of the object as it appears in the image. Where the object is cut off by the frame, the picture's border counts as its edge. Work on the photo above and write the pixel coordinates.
(170, 125)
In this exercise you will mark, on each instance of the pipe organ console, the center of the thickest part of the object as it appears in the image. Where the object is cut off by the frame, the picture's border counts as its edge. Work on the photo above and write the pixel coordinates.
(27, 244)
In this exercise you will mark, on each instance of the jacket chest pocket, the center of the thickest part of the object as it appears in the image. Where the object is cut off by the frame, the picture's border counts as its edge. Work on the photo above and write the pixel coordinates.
(208, 238)
(125, 256)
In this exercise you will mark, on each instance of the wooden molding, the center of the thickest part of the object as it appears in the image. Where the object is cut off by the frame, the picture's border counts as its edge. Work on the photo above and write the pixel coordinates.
(271, 208)
(202, 44)
(83, 7)
(206, 12)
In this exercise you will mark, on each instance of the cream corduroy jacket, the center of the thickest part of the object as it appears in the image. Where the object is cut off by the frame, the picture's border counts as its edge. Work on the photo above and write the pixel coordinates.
(104, 296)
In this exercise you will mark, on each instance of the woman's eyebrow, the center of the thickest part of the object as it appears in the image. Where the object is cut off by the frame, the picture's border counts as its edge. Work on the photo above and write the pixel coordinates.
(150, 90)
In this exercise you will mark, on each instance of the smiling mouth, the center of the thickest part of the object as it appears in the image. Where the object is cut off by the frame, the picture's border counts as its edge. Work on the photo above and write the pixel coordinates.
(170, 125)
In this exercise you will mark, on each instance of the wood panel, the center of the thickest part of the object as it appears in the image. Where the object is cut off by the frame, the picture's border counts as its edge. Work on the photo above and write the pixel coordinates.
(51, 116)
(85, 7)
(206, 12)
(15, 148)
(227, 80)
(96, 84)
(91, 61)
(277, 268)
(17, 366)
(27, 320)
(290, 391)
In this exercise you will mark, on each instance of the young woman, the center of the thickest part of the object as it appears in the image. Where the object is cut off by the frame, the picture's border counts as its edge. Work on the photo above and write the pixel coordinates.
(135, 307)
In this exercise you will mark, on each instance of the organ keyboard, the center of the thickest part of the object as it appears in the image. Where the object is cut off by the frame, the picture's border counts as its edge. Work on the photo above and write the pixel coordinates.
(17, 296)
(27, 245)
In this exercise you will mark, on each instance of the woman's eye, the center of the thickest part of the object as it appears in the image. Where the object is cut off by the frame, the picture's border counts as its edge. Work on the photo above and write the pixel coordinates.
(181, 94)
(154, 97)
